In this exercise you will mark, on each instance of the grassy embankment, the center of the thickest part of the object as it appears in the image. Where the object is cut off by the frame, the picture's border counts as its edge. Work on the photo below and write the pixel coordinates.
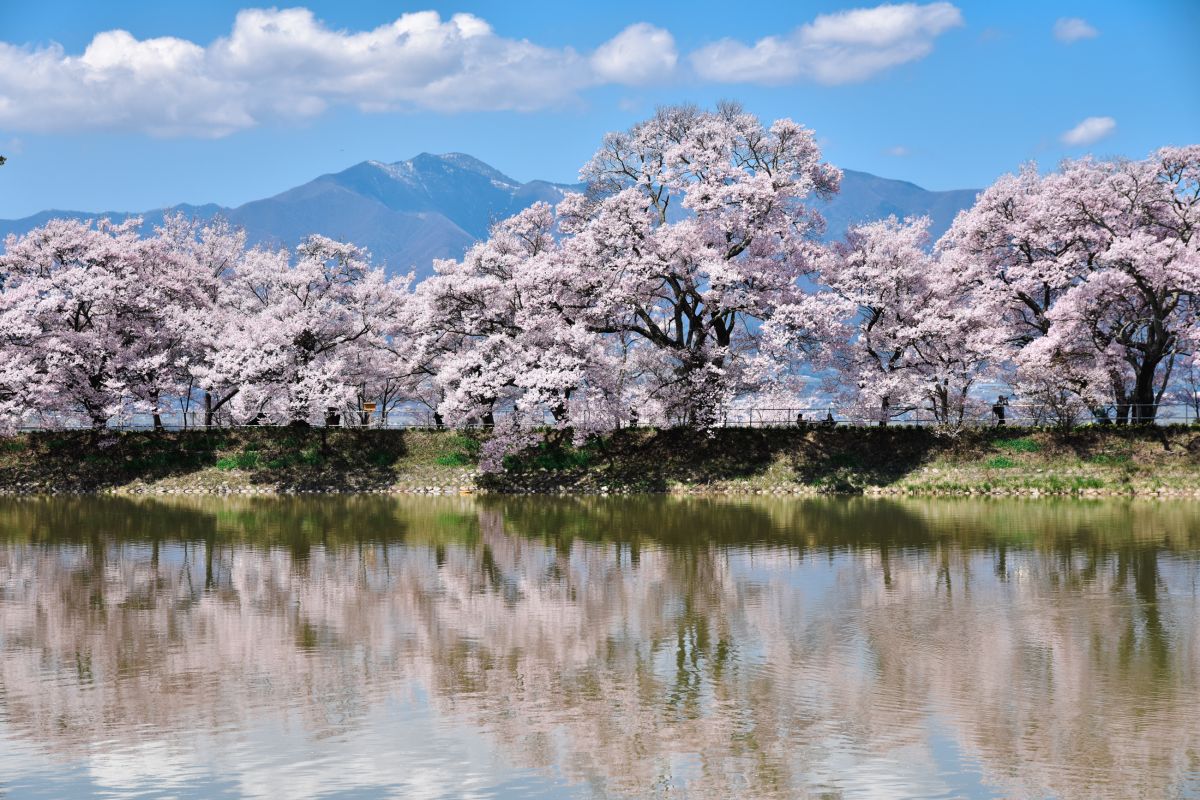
(903, 460)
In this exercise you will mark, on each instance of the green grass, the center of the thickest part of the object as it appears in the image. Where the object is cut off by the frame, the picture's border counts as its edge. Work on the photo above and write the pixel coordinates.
(1021, 445)
(842, 460)
(1110, 459)
(381, 458)
(247, 459)
(554, 457)
(459, 450)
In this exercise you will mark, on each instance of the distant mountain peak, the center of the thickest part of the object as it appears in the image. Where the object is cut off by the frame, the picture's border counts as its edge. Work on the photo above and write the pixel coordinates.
(409, 212)
(399, 170)
(466, 163)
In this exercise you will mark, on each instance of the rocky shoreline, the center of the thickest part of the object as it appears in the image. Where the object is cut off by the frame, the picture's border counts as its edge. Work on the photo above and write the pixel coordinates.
(698, 490)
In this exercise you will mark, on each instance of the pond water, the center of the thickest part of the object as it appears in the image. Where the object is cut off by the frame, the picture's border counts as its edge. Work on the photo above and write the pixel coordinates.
(594, 648)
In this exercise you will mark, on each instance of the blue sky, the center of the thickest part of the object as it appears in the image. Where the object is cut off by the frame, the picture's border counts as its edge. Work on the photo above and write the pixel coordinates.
(230, 108)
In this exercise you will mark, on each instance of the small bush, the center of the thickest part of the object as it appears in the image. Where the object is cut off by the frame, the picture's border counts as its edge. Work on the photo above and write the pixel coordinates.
(311, 456)
(553, 457)
(1021, 445)
(845, 460)
(463, 451)
(247, 459)
(465, 443)
(999, 462)
(1110, 459)
(382, 459)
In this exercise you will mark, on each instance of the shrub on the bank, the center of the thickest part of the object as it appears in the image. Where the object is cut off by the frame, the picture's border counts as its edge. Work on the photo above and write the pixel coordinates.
(463, 451)
(999, 462)
(382, 458)
(1110, 459)
(553, 457)
(1022, 445)
(247, 459)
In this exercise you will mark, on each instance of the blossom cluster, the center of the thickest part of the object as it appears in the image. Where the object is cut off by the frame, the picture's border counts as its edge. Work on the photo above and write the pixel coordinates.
(688, 278)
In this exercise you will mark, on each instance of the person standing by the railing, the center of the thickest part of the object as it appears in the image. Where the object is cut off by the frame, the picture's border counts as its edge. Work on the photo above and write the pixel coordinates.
(999, 410)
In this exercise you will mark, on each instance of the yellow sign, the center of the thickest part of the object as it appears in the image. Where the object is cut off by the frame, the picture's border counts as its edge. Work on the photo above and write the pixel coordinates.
(368, 408)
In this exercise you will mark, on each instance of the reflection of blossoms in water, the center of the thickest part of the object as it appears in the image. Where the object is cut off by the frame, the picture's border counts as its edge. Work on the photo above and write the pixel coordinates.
(764, 649)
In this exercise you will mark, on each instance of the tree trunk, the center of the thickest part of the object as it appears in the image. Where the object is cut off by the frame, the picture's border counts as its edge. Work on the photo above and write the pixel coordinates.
(158, 423)
(884, 411)
(1144, 397)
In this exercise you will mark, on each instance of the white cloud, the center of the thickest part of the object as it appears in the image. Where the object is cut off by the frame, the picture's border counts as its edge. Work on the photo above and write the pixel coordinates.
(1072, 29)
(898, 151)
(1092, 129)
(845, 47)
(641, 53)
(288, 65)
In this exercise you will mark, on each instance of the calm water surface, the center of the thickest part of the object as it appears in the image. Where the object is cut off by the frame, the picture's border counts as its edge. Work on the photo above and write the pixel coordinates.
(503, 648)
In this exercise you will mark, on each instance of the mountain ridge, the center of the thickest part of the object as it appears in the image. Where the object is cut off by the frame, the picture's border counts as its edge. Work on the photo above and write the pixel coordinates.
(409, 213)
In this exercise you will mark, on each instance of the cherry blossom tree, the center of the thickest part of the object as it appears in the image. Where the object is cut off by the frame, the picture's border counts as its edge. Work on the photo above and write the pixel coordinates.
(644, 292)
(1092, 270)
(291, 329)
(906, 334)
(69, 318)
(207, 255)
(98, 322)
(694, 227)
(507, 326)
(686, 280)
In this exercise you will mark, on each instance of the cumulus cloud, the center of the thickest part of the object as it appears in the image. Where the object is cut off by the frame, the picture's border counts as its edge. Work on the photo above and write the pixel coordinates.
(1072, 29)
(1092, 129)
(845, 47)
(288, 65)
(641, 53)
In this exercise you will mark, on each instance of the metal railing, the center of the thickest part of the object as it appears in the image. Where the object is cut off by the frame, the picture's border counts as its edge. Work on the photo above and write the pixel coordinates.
(1015, 415)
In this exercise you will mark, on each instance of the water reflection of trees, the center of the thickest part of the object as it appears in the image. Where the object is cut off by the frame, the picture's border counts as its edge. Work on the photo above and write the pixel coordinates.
(748, 647)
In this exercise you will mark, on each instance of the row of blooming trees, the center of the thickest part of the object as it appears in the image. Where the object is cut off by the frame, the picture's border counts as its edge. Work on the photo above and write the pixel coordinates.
(689, 277)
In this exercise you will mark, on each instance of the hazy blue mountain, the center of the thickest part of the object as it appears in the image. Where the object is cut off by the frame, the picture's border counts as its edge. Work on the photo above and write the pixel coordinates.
(434, 206)
(154, 217)
(865, 197)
